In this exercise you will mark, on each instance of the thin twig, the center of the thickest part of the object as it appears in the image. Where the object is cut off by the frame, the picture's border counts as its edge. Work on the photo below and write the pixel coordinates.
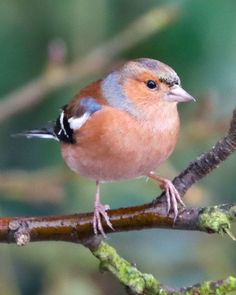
(62, 75)
(28, 186)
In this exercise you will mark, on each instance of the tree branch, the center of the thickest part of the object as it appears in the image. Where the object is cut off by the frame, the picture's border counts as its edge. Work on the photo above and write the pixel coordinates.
(138, 283)
(77, 227)
(206, 162)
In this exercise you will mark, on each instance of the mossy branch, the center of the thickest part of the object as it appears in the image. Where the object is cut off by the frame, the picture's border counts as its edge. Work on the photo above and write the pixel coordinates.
(140, 283)
(216, 219)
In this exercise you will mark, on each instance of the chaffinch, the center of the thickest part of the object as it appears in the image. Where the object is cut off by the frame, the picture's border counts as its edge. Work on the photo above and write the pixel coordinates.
(122, 127)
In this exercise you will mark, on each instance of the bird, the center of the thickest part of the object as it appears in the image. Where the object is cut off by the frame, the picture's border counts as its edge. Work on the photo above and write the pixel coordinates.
(121, 127)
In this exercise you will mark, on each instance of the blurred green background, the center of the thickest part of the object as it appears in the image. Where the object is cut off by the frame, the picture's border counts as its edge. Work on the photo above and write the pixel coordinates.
(200, 44)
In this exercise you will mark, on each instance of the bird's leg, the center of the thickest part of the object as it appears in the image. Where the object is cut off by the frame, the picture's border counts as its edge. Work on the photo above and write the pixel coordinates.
(173, 197)
(100, 211)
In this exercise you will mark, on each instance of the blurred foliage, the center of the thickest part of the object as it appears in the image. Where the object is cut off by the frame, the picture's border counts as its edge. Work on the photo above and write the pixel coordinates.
(200, 46)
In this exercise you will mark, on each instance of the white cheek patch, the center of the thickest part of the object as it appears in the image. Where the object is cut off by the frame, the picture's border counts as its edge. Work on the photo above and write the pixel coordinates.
(77, 123)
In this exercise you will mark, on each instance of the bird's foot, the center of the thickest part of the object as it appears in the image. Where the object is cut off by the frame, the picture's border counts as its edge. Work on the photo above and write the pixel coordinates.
(173, 197)
(100, 211)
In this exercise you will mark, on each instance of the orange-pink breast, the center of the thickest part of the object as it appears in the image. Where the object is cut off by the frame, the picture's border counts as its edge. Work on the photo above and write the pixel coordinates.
(113, 145)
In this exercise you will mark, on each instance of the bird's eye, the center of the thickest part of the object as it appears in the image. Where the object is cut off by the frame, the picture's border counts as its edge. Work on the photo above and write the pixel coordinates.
(151, 84)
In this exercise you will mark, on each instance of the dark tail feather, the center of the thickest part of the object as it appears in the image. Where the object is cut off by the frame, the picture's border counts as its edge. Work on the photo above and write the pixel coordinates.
(38, 133)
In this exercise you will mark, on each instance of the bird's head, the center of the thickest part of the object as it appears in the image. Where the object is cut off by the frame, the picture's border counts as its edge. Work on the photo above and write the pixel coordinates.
(142, 82)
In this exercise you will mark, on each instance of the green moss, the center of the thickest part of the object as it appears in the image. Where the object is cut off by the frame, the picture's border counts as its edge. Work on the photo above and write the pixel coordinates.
(228, 286)
(216, 288)
(146, 284)
(125, 272)
(214, 220)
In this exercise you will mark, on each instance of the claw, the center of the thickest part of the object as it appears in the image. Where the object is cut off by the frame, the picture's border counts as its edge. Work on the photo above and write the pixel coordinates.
(173, 197)
(100, 211)
(168, 198)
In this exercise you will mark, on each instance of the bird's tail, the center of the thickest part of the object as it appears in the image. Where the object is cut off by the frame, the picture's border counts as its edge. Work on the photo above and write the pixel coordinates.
(47, 133)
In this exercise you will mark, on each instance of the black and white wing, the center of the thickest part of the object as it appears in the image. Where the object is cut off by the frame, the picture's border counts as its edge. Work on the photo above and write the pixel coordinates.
(65, 125)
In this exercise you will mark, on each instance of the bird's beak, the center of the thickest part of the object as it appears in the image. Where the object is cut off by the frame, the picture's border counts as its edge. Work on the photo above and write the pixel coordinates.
(178, 94)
